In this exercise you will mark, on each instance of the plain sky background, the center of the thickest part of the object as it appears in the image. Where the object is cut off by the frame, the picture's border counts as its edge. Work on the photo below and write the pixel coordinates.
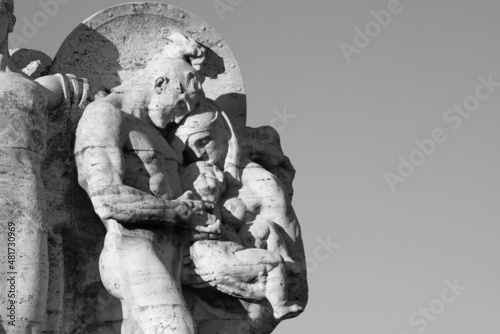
(352, 122)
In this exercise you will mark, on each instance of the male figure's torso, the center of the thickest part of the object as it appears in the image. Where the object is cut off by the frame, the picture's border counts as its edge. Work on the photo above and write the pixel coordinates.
(151, 165)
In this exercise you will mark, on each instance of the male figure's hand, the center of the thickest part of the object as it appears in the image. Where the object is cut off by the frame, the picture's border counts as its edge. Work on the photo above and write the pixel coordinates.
(205, 226)
(194, 204)
(202, 224)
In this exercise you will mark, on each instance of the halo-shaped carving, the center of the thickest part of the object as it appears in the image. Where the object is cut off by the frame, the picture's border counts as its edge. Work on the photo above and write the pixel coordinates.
(110, 46)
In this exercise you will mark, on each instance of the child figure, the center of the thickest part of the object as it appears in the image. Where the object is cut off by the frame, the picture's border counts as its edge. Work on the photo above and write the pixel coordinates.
(237, 259)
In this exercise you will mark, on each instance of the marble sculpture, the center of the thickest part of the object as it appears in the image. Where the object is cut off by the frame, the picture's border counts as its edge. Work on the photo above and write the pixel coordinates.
(133, 197)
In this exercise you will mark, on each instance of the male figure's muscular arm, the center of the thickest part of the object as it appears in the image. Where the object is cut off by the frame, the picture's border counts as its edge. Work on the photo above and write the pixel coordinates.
(100, 162)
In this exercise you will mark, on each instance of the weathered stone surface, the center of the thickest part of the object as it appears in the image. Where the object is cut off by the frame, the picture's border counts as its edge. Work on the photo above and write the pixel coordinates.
(33, 63)
(31, 266)
(153, 209)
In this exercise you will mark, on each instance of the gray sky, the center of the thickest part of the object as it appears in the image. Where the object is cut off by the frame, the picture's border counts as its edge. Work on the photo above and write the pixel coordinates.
(352, 122)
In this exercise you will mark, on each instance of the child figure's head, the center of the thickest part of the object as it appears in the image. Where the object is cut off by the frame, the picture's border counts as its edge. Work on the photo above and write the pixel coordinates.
(204, 180)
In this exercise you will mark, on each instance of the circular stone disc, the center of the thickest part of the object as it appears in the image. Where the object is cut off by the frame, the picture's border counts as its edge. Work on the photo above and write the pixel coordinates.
(110, 46)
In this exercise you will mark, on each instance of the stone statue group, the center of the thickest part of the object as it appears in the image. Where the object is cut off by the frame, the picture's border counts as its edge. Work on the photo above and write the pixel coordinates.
(199, 238)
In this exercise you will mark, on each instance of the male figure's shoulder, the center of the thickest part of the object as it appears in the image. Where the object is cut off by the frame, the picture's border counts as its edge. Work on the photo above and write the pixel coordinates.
(102, 110)
(100, 125)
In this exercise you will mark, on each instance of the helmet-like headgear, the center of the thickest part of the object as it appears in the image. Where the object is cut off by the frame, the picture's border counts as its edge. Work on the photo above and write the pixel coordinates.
(204, 119)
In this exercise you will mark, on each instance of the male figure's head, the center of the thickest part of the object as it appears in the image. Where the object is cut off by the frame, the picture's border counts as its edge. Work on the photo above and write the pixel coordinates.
(206, 135)
(7, 19)
(175, 90)
(204, 180)
(169, 85)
